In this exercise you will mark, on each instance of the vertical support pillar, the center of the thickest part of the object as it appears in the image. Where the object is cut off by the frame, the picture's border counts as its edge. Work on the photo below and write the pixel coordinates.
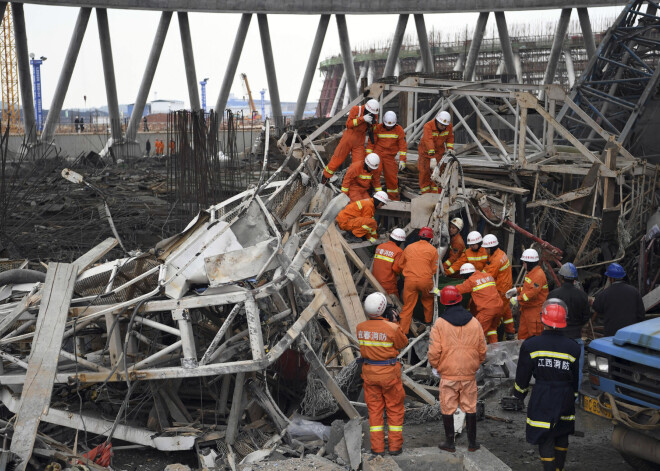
(23, 60)
(587, 33)
(557, 44)
(148, 77)
(347, 57)
(505, 42)
(230, 71)
(109, 73)
(189, 60)
(254, 328)
(271, 76)
(236, 410)
(114, 342)
(459, 65)
(340, 90)
(397, 40)
(424, 48)
(570, 68)
(473, 53)
(313, 60)
(65, 75)
(182, 318)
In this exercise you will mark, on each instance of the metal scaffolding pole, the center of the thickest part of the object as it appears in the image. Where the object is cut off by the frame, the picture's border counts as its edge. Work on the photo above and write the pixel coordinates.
(424, 48)
(70, 59)
(473, 53)
(397, 40)
(505, 42)
(557, 43)
(148, 77)
(23, 60)
(271, 76)
(109, 73)
(347, 57)
(230, 71)
(587, 33)
(311, 67)
(189, 61)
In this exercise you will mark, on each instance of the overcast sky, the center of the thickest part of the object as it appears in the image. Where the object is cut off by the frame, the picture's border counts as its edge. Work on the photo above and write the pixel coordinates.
(49, 30)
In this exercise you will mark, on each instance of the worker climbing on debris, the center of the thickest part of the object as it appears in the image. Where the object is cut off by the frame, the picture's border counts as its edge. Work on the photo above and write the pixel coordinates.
(358, 217)
(418, 263)
(486, 303)
(531, 296)
(361, 177)
(474, 254)
(456, 349)
(620, 304)
(385, 257)
(456, 244)
(380, 342)
(553, 360)
(360, 120)
(499, 267)
(390, 138)
(438, 138)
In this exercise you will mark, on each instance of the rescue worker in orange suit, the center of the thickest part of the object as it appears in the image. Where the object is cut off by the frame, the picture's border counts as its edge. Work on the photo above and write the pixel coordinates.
(385, 257)
(361, 176)
(486, 300)
(499, 267)
(456, 349)
(553, 360)
(380, 342)
(358, 217)
(531, 296)
(360, 119)
(456, 244)
(474, 254)
(438, 138)
(390, 138)
(418, 263)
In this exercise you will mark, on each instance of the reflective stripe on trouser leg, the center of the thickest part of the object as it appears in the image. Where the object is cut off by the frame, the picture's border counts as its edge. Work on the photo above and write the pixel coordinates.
(411, 290)
(373, 396)
(489, 318)
(391, 172)
(507, 316)
(424, 167)
(394, 397)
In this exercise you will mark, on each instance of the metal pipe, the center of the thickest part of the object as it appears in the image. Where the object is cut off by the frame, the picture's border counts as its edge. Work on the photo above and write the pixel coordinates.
(587, 33)
(505, 42)
(175, 346)
(557, 43)
(347, 57)
(189, 60)
(158, 326)
(473, 53)
(313, 60)
(220, 334)
(424, 48)
(634, 443)
(395, 47)
(232, 64)
(271, 76)
(23, 61)
(109, 73)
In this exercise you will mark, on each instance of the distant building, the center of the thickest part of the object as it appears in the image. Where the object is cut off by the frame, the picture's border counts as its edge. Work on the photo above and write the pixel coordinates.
(165, 106)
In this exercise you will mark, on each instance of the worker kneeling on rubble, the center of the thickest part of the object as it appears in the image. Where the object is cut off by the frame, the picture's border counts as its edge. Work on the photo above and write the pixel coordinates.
(390, 139)
(385, 257)
(499, 267)
(358, 217)
(553, 360)
(361, 176)
(531, 296)
(380, 342)
(456, 349)
(474, 254)
(438, 137)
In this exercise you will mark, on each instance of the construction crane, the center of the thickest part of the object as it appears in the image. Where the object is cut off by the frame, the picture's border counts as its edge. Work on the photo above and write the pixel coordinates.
(9, 73)
(246, 86)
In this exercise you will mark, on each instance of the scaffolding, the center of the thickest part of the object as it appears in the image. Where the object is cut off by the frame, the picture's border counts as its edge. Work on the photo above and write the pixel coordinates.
(11, 111)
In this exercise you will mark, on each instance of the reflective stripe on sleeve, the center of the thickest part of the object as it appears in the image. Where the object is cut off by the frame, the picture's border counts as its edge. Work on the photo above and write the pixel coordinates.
(485, 285)
(383, 257)
(403, 153)
(519, 389)
(431, 151)
(344, 189)
(567, 417)
(528, 280)
(378, 188)
(359, 204)
(525, 298)
(329, 171)
(444, 133)
(547, 353)
(448, 263)
(537, 423)
(451, 271)
(426, 188)
(508, 321)
(505, 266)
(354, 122)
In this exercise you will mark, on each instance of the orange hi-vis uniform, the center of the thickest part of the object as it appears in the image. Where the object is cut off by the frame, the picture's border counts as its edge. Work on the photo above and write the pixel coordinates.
(358, 217)
(499, 267)
(418, 263)
(478, 259)
(486, 300)
(387, 143)
(358, 180)
(432, 146)
(380, 342)
(531, 297)
(383, 268)
(352, 141)
(456, 249)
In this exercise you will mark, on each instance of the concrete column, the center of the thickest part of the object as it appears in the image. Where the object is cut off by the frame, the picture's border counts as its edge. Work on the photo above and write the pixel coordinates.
(230, 71)
(473, 53)
(340, 89)
(370, 73)
(70, 59)
(397, 68)
(109, 73)
(505, 42)
(518, 64)
(419, 66)
(397, 40)
(189, 61)
(271, 76)
(570, 68)
(557, 43)
(312, 62)
(24, 78)
(460, 63)
(587, 33)
(347, 57)
(424, 48)
(148, 77)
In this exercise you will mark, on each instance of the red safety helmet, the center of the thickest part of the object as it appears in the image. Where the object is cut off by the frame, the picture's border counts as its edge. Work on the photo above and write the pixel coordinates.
(426, 232)
(450, 295)
(553, 313)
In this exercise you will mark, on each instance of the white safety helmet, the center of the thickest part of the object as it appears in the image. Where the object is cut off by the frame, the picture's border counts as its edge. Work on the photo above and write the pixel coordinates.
(372, 160)
(490, 241)
(474, 238)
(375, 304)
(443, 118)
(467, 268)
(382, 197)
(372, 106)
(398, 234)
(530, 255)
(458, 222)
(389, 119)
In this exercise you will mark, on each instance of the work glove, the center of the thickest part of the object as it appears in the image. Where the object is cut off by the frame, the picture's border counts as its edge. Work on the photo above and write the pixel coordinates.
(324, 180)
(450, 152)
(435, 373)
(368, 118)
(510, 336)
(402, 165)
(435, 291)
(511, 293)
(513, 301)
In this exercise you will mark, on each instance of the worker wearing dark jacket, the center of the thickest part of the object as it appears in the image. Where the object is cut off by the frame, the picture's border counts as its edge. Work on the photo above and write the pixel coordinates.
(621, 304)
(553, 360)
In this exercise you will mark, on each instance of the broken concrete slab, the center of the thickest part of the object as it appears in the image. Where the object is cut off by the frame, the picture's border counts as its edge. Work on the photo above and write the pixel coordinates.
(432, 458)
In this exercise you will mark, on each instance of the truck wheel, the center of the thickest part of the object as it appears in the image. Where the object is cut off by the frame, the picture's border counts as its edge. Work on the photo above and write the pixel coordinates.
(640, 464)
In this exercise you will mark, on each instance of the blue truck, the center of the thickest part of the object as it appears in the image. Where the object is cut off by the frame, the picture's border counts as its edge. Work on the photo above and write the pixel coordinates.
(624, 371)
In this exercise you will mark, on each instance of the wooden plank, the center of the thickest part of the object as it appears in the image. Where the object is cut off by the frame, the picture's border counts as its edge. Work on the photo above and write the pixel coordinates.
(88, 259)
(495, 186)
(651, 299)
(42, 365)
(564, 198)
(585, 241)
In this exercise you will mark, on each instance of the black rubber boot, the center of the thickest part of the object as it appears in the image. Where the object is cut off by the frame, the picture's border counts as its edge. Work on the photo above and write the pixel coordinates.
(560, 458)
(448, 445)
(549, 465)
(472, 432)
